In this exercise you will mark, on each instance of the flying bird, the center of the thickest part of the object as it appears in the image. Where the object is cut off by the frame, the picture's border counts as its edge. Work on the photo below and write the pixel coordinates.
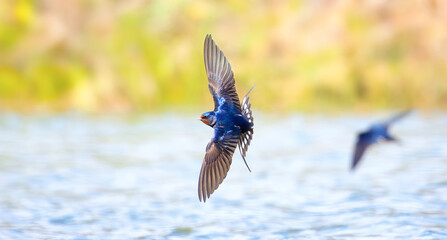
(375, 134)
(231, 121)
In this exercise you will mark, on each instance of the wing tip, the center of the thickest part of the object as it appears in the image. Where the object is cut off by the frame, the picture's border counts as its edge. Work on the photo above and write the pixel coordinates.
(355, 160)
(202, 189)
(352, 168)
(200, 197)
(215, 60)
(208, 40)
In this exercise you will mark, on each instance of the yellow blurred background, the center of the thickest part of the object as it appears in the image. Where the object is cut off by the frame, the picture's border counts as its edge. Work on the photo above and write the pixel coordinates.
(137, 56)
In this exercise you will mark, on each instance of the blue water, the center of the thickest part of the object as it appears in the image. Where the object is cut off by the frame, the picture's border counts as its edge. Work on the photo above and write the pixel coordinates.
(73, 176)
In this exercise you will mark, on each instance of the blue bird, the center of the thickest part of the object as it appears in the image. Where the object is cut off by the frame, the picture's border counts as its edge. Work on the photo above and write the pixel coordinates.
(375, 134)
(231, 121)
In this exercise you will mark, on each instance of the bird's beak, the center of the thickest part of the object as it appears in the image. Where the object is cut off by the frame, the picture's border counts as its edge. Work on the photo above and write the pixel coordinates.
(204, 120)
(200, 118)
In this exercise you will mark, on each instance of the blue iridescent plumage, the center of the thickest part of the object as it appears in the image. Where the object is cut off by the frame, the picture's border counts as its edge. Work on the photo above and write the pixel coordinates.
(232, 122)
(375, 134)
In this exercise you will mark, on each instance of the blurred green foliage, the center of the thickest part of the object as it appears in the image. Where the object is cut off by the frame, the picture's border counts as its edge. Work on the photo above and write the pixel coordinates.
(147, 55)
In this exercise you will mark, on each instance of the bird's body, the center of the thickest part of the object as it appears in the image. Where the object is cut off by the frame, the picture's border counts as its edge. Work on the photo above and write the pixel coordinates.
(232, 123)
(375, 134)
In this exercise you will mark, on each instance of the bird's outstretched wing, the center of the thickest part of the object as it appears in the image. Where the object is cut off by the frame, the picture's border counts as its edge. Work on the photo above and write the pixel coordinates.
(217, 161)
(220, 76)
(364, 140)
(396, 118)
(246, 137)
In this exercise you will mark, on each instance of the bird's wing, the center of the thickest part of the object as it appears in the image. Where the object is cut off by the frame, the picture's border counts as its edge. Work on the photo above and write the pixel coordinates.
(217, 161)
(246, 137)
(364, 140)
(220, 76)
(396, 118)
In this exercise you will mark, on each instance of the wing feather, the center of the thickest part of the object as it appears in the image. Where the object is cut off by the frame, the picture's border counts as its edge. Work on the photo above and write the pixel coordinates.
(220, 76)
(396, 118)
(216, 164)
(364, 140)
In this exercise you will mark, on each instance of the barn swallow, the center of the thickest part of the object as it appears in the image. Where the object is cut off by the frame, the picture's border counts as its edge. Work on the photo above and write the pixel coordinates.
(375, 134)
(231, 121)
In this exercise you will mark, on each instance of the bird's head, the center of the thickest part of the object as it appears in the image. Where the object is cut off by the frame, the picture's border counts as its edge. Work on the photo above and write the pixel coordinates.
(209, 118)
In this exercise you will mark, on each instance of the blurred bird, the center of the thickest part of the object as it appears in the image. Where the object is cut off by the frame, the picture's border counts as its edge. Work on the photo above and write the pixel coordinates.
(231, 121)
(375, 134)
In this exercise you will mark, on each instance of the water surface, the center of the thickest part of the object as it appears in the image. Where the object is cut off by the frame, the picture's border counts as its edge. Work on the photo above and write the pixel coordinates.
(108, 177)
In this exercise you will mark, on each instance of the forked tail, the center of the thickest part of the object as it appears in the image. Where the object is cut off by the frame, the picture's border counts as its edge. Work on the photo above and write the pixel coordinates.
(246, 137)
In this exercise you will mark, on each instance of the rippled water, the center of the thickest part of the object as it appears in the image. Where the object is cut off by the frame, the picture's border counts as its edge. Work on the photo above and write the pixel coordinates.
(78, 177)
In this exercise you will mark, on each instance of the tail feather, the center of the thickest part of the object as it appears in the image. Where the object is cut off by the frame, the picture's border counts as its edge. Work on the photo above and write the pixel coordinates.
(246, 106)
(246, 137)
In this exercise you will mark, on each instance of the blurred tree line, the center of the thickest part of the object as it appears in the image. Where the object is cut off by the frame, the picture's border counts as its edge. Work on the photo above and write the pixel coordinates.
(136, 55)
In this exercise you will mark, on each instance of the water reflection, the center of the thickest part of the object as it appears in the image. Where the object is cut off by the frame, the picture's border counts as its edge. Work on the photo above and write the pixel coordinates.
(78, 177)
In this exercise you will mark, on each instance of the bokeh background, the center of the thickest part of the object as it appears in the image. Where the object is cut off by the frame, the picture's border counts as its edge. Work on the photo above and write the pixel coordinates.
(99, 101)
(144, 56)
